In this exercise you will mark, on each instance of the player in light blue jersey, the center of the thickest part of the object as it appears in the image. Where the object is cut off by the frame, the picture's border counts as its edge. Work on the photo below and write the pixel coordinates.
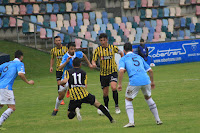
(66, 64)
(9, 71)
(137, 70)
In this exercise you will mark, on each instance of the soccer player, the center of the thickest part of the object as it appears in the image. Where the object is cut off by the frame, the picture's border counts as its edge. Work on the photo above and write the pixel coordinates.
(108, 69)
(66, 64)
(143, 50)
(9, 71)
(57, 53)
(137, 70)
(77, 80)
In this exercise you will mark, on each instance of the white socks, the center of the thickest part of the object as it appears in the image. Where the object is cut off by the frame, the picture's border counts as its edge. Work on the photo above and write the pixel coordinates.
(57, 103)
(129, 111)
(153, 108)
(5, 115)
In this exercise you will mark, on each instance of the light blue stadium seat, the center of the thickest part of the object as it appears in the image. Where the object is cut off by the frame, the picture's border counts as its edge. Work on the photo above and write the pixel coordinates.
(38, 27)
(162, 2)
(0, 23)
(33, 19)
(139, 31)
(49, 33)
(105, 21)
(137, 38)
(154, 13)
(175, 33)
(166, 12)
(115, 26)
(84, 44)
(70, 30)
(55, 8)
(75, 6)
(99, 21)
(53, 24)
(124, 19)
(103, 28)
(187, 33)
(192, 28)
(2, 9)
(29, 9)
(104, 14)
(183, 22)
(130, 19)
(39, 0)
(92, 22)
(150, 37)
(94, 35)
(49, 8)
(151, 30)
(92, 15)
(79, 23)
(79, 16)
(61, 37)
(181, 35)
(165, 22)
(100, 31)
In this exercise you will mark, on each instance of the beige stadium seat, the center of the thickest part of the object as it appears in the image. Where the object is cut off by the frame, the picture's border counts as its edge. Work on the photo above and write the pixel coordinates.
(11, 1)
(73, 16)
(83, 29)
(172, 11)
(182, 2)
(126, 4)
(66, 24)
(118, 20)
(113, 32)
(80, 34)
(129, 25)
(8, 9)
(118, 39)
(68, 7)
(59, 24)
(109, 26)
(59, 17)
(56, 32)
(144, 36)
(171, 28)
(131, 38)
(133, 31)
(86, 22)
(96, 28)
(19, 22)
(31, 27)
(98, 15)
(162, 36)
(145, 30)
(148, 13)
(194, 20)
(36, 8)
(15, 9)
(150, 3)
(178, 11)
(171, 21)
(40, 18)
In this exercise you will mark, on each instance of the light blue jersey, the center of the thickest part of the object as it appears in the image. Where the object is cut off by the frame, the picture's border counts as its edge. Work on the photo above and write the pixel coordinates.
(78, 54)
(9, 71)
(136, 68)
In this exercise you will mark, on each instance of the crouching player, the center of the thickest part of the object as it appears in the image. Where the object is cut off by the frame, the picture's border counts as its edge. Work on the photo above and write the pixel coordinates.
(77, 81)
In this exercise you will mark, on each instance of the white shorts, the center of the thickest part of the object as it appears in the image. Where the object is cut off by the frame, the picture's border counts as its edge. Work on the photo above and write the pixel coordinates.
(6, 97)
(132, 91)
(63, 88)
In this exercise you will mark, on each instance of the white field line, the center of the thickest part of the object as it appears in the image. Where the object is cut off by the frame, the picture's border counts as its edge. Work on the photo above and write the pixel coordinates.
(162, 81)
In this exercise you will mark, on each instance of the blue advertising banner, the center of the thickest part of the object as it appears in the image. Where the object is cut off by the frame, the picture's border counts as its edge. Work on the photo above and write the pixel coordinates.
(173, 52)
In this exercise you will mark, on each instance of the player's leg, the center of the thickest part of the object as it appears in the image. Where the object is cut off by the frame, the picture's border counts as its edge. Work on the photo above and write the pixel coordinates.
(105, 86)
(7, 113)
(58, 78)
(104, 110)
(61, 95)
(131, 93)
(74, 110)
(146, 90)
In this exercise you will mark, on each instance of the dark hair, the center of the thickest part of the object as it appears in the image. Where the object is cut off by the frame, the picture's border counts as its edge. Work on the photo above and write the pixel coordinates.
(127, 47)
(103, 35)
(76, 62)
(18, 54)
(71, 44)
(56, 37)
(141, 40)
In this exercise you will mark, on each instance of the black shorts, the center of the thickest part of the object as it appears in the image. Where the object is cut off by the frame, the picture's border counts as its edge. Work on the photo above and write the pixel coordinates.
(105, 80)
(59, 75)
(73, 104)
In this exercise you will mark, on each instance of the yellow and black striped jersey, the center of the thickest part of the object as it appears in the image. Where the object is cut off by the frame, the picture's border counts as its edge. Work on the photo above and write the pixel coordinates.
(107, 59)
(58, 54)
(77, 79)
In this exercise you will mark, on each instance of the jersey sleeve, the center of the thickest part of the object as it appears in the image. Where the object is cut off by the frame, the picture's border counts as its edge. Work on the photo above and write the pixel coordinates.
(95, 55)
(146, 66)
(52, 53)
(66, 74)
(79, 54)
(121, 64)
(64, 58)
(21, 68)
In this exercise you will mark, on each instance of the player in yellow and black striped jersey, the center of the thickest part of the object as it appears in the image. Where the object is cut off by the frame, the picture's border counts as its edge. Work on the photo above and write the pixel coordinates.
(77, 81)
(108, 68)
(57, 52)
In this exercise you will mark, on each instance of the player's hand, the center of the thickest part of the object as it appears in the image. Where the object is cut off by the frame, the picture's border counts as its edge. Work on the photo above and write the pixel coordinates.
(68, 59)
(31, 82)
(119, 88)
(51, 69)
(94, 65)
(152, 85)
(90, 66)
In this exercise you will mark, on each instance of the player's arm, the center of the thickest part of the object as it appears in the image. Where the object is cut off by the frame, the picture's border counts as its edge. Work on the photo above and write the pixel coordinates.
(121, 74)
(88, 62)
(121, 53)
(64, 64)
(66, 78)
(23, 77)
(51, 64)
(150, 71)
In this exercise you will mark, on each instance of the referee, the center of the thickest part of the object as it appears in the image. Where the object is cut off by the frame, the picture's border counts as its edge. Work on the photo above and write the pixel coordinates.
(108, 69)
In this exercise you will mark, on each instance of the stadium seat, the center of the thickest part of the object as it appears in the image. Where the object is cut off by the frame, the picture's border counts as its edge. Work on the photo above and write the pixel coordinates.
(12, 22)
(42, 8)
(66, 39)
(154, 13)
(31, 27)
(92, 22)
(120, 32)
(55, 8)
(171, 21)
(75, 6)
(175, 33)
(118, 20)
(80, 22)
(99, 21)
(87, 35)
(148, 13)
(177, 23)
(126, 32)
(165, 22)
(84, 44)
(18, 1)
(166, 12)
(137, 19)
(66, 17)
(73, 16)
(172, 12)
(122, 26)
(138, 3)
(9, 9)
(124, 19)
(85, 15)
(25, 27)
(1, 23)
(66, 24)
(115, 26)
(147, 24)
(187, 2)
(187, 33)
(94, 35)
(131, 38)
(29, 9)
(150, 37)
(92, 15)
(133, 32)
(197, 28)
(81, 6)
(105, 21)
(182, 2)
(70, 30)
(193, 1)
(49, 8)
(19, 22)
(178, 11)
(181, 35)
(129, 25)
(59, 24)
(169, 35)
(160, 13)
(162, 2)
(53, 24)
(78, 43)
(132, 4)
(15, 10)
(142, 13)
(155, 3)
(170, 28)
(40, 18)
(150, 3)
(130, 19)
(53, 17)
(46, 18)
(158, 29)
(68, 7)
(109, 26)
(59, 17)
(164, 28)
(126, 4)
(31, 1)
(86, 22)
(36, 8)
(188, 22)
(144, 3)
(87, 6)
(183, 22)
(194, 20)
(25, 1)
(62, 7)
(22, 9)
(104, 14)
(73, 22)
(153, 24)
(49, 33)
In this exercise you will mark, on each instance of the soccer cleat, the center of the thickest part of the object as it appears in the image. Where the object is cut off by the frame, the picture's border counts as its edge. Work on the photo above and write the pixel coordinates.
(117, 110)
(62, 103)
(55, 111)
(78, 115)
(159, 122)
(130, 125)
(68, 95)
(112, 121)
(1, 128)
